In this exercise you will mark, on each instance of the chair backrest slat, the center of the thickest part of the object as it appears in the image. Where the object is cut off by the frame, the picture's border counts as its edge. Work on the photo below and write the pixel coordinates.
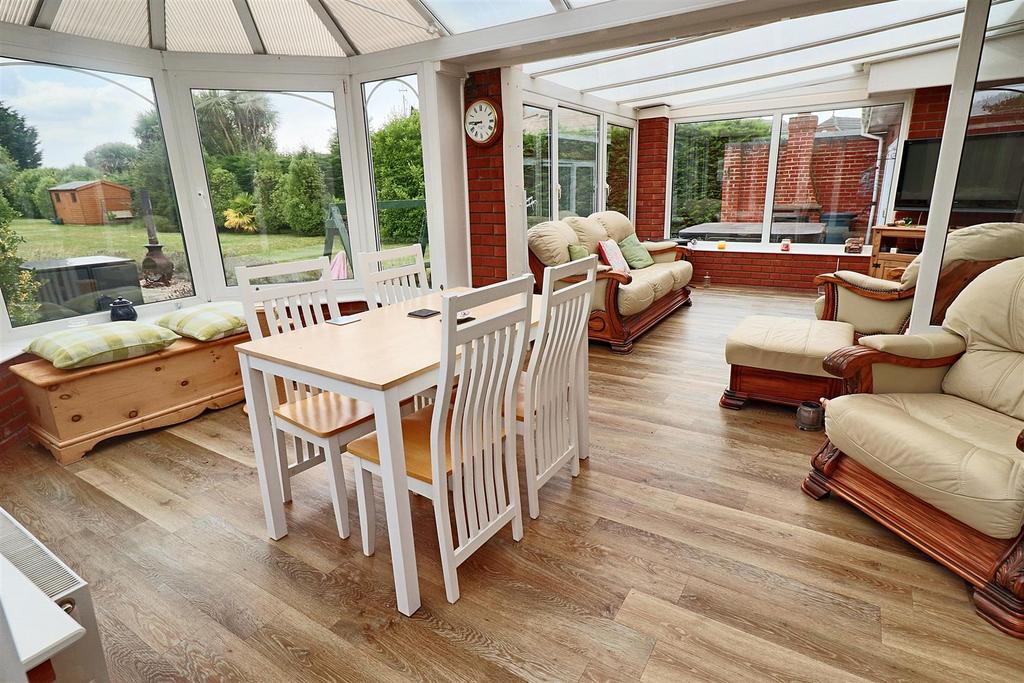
(550, 395)
(386, 285)
(288, 306)
(474, 413)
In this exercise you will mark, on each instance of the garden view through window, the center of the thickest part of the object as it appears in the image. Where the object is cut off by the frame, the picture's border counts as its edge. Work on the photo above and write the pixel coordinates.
(577, 162)
(396, 163)
(617, 181)
(87, 207)
(273, 169)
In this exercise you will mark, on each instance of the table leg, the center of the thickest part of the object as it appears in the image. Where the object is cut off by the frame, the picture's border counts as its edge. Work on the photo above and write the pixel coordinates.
(583, 400)
(388, 418)
(264, 447)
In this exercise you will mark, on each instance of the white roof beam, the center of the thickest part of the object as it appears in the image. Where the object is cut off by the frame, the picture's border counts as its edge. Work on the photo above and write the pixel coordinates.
(46, 13)
(332, 26)
(851, 59)
(249, 26)
(810, 45)
(157, 25)
(560, 5)
(433, 21)
(603, 26)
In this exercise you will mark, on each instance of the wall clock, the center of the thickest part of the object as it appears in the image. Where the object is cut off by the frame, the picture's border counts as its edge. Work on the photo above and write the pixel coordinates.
(482, 122)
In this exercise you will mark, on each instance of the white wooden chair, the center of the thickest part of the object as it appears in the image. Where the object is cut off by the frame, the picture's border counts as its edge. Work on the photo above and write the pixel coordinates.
(391, 285)
(546, 411)
(319, 424)
(466, 439)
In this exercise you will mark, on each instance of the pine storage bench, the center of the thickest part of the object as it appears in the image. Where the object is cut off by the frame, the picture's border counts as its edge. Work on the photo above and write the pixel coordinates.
(70, 411)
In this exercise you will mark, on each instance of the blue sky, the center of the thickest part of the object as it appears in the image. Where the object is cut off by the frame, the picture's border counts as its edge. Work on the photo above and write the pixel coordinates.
(74, 111)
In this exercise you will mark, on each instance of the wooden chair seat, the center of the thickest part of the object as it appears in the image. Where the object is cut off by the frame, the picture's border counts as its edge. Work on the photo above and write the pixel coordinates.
(416, 435)
(325, 414)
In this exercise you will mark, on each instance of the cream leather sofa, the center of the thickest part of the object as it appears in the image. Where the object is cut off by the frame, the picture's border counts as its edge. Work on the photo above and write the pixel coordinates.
(876, 306)
(930, 439)
(625, 305)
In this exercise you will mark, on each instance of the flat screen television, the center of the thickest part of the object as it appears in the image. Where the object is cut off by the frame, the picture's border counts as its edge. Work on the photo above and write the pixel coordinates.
(991, 177)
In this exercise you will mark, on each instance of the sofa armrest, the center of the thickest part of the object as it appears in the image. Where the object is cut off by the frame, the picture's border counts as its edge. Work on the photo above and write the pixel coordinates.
(856, 365)
(871, 305)
(927, 346)
(666, 251)
(865, 285)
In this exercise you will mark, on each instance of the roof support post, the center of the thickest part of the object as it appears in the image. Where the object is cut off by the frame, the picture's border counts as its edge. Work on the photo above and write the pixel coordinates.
(332, 26)
(157, 25)
(46, 13)
(249, 25)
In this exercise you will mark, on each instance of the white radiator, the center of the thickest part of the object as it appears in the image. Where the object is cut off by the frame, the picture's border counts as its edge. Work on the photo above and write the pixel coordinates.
(82, 662)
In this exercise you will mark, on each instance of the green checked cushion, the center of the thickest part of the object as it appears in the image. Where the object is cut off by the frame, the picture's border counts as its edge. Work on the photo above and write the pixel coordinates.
(81, 347)
(206, 322)
(636, 254)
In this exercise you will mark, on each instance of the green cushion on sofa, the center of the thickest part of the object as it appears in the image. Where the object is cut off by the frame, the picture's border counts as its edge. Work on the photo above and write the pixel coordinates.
(206, 322)
(81, 347)
(578, 251)
(636, 254)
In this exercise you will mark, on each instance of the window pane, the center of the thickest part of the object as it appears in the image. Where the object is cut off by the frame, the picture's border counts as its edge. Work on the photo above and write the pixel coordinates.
(537, 164)
(273, 167)
(577, 163)
(834, 173)
(87, 207)
(396, 153)
(719, 178)
(618, 168)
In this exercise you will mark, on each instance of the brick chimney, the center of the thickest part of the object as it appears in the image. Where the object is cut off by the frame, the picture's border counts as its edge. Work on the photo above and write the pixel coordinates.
(794, 190)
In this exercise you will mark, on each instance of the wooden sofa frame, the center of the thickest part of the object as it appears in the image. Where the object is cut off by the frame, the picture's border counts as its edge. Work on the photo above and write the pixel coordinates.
(952, 281)
(993, 568)
(608, 326)
(70, 411)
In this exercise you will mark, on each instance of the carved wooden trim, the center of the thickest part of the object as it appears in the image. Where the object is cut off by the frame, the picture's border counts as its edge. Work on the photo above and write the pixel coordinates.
(1010, 572)
(1020, 441)
(775, 386)
(827, 458)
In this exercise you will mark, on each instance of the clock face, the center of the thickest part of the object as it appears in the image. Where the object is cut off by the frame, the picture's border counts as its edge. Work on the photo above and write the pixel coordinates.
(481, 122)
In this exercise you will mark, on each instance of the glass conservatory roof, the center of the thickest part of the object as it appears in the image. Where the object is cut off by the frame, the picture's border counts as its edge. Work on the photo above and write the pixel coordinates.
(811, 50)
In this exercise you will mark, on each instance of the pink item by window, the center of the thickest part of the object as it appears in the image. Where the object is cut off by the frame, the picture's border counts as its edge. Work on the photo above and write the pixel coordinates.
(339, 266)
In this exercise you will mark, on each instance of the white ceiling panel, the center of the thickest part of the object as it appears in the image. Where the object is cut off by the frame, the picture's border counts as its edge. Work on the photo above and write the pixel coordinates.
(120, 21)
(469, 15)
(18, 11)
(374, 25)
(205, 26)
(289, 27)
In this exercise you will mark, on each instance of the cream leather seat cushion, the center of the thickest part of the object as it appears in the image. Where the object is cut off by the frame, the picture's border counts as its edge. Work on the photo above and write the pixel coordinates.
(549, 241)
(786, 344)
(651, 283)
(989, 315)
(956, 455)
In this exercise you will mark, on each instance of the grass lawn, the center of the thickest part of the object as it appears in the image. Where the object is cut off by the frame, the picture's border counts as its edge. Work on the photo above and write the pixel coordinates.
(45, 240)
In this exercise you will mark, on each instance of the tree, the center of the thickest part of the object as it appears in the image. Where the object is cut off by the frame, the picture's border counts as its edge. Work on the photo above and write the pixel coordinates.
(18, 286)
(223, 188)
(8, 172)
(41, 194)
(398, 174)
(305, 203)
(112, 157)
(151, 170)
(269, 212)
(19, 138)
(235, 122)
(23, 190)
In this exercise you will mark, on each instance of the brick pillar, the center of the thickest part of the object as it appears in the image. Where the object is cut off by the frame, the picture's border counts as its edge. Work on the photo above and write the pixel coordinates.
(794, 186)
(486, 179)
(13, 418)
(651, 178)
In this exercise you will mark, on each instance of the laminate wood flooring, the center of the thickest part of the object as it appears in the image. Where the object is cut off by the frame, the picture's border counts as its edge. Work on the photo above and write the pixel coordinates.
(683, 551)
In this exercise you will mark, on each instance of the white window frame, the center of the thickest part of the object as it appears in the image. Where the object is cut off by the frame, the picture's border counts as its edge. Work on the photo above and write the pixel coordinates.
(777, 113)
(182, 85)
(128, 62)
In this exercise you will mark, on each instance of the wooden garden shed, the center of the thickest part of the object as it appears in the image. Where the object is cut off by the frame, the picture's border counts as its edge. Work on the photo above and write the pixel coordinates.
(87, 202)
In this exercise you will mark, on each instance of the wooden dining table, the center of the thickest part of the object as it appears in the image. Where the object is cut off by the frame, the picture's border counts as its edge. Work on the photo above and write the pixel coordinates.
(383, 358)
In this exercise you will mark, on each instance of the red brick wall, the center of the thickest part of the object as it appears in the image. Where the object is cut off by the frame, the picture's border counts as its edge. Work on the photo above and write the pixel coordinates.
(485, 168)
(794, 185)
(744, 180)
(844, 178)
(13, 420)
(928, 115)
(651, 178)
(775, 270)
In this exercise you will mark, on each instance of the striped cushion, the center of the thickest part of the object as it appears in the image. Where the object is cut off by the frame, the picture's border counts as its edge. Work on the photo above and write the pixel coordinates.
(206, 322)
(97, 344)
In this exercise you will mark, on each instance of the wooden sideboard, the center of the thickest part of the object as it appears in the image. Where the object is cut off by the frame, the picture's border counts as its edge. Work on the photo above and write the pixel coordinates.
(907, 241)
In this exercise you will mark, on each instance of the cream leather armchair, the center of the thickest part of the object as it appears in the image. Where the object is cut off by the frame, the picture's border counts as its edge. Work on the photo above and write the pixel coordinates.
(929, 439)
(876, 306)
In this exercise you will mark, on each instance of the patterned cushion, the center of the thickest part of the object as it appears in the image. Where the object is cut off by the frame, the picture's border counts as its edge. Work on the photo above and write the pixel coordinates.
(206, 322)
(97, 344)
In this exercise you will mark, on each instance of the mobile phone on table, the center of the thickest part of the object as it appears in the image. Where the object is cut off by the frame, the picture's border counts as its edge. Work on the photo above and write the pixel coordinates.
(424, 313)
